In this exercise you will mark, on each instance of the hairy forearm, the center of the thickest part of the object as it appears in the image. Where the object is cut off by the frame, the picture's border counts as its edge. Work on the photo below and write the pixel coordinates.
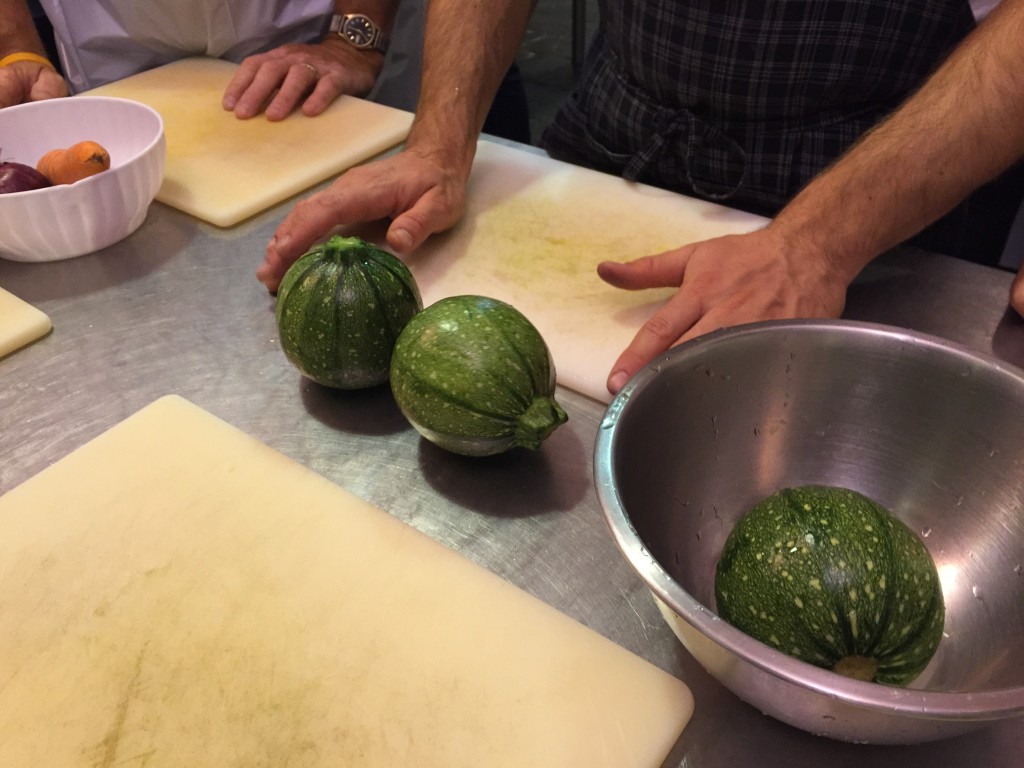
(17, 30)
(469, 45)
(960, 130)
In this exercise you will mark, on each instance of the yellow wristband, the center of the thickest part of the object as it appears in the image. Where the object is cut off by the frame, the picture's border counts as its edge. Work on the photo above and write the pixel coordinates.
(25, 56)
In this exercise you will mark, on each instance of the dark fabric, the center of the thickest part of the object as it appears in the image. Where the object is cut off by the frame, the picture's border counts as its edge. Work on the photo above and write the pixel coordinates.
(977, 229)
(45, 30)
(509, 115)
(745, 101)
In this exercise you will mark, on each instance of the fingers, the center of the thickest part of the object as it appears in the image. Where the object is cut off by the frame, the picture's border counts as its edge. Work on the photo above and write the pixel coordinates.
(659, 271)
(48, 85)
(300, 79)
(366, 193)
(1017, 292)
(10, 92)
(324, 94)
(313, 76)
(659, 333)
(309, 221)
(667, 324)
(279, 84)
(28, 81)
(239, 83)
(418, 195)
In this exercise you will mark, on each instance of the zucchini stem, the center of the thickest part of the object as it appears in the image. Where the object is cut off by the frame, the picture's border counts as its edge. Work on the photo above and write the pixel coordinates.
(858, 667)
(539, 420)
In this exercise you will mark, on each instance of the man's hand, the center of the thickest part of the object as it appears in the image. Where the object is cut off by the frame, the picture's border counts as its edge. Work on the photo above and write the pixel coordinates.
(418, 194)
(29, 81)
(1017, 292)
(722, 282)
(313, 76)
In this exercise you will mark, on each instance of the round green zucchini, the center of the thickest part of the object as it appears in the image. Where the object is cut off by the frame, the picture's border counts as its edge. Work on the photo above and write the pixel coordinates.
(473, 375)
(340, 309)
(831, 577)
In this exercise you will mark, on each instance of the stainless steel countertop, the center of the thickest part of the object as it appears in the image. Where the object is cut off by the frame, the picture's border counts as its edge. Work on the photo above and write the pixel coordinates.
(176, 309)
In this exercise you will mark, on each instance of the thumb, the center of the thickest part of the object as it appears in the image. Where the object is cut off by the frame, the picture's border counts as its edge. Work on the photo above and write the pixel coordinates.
(1017, 292)
(432, 213)
(48, 85)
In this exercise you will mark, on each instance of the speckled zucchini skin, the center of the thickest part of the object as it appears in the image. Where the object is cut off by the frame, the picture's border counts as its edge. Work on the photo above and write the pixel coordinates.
(340, 309)
(831, 577)
(474, 376)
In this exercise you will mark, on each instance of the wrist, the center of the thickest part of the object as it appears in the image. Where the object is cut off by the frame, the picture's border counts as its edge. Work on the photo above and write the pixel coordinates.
(363, 66)
(364, 31)
(7, 60)
(443, 145)
(834, 255)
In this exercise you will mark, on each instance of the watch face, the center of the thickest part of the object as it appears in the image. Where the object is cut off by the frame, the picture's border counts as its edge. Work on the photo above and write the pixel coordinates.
(359, 30)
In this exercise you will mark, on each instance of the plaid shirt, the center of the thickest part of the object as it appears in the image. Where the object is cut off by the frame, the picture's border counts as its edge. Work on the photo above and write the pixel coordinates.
(741, 99)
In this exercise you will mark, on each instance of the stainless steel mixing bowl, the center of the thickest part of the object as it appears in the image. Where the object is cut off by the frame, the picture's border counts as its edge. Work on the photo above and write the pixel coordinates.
(930, 430)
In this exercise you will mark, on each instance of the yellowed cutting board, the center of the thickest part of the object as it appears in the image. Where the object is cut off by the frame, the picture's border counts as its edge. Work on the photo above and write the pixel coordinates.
(222, 169)
(20, 323)
(175, 593)
(533, 235)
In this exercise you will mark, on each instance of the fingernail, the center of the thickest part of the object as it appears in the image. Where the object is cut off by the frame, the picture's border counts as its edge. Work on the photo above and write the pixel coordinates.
(401, 239)
(229, 102)
(616, 381)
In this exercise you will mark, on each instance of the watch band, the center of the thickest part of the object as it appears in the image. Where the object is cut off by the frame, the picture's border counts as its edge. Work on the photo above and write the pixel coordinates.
(359, 30)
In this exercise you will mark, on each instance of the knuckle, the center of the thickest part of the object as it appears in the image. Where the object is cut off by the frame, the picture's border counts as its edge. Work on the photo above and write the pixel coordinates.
(660, 328)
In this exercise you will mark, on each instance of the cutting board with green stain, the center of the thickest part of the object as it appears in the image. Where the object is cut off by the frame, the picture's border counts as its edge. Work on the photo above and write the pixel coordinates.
(176, 593)
(533, 234)
(222, 169)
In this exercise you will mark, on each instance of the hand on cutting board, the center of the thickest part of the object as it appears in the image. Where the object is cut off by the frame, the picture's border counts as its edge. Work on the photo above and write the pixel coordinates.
(420, 195)
(25, 81)
(722, 282)
(313, 76)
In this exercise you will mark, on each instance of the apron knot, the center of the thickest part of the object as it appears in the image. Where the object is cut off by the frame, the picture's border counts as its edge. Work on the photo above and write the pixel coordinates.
(715, 164)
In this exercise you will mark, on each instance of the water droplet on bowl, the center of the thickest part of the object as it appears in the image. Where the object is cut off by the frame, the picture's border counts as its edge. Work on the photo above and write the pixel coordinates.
(976, 591)
(926, 532)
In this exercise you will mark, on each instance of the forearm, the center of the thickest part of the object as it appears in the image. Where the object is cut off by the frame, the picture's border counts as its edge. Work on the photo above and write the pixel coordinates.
(468, 47)
(18, 30)
(960, 130)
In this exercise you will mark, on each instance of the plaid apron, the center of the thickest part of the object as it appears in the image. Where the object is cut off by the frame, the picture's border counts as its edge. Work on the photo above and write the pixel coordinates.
(745, 100)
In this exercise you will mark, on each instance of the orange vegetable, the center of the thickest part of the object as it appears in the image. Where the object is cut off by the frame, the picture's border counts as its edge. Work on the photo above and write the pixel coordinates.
(79, 161)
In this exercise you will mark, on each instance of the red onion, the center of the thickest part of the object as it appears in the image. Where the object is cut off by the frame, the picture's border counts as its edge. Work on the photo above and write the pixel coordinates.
(16, 177)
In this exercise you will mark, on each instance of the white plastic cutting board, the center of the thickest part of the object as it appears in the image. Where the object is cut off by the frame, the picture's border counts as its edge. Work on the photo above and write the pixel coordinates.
(533, 235)
(175, 593)
(222, 169)
(20, 323)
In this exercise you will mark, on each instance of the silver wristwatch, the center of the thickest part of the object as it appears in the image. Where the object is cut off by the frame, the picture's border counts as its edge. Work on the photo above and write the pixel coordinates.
(360, 31)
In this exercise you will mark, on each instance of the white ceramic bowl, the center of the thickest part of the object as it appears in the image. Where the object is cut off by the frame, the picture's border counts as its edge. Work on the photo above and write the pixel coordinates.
(69, 220)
